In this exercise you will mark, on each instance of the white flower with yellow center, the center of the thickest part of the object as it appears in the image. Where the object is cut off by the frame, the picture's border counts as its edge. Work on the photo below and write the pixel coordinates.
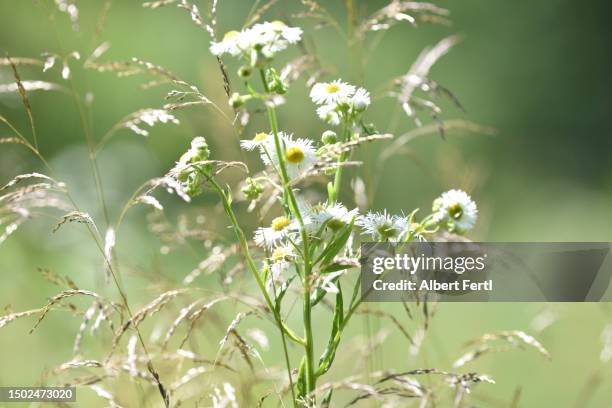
(329, 93)
(267, 38)
(280, 260)
(383, 226)
(279, 229)
(258, 141)
(276, 34)
(455, 209)
(229, 44)
(298, 154)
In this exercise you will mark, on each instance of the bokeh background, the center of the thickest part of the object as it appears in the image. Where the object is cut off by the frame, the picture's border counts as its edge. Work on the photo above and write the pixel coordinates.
(537, 72)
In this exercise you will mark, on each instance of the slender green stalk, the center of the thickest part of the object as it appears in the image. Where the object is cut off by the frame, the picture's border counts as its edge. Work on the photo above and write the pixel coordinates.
(306, 281)
(250, 263)
(333, 196)
(284, 330)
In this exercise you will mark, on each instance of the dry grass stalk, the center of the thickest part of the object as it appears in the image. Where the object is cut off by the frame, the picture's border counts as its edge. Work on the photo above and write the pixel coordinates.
(409, 11)
(103, 393)
(89, 314)
(390, 317)
(76, 216)
(149, 310)
(195, 316)
(212, 263)
(190, 375)
(455, 126)
(515, 338)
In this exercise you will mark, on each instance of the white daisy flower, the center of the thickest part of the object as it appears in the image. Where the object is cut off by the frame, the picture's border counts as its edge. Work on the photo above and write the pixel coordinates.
(280, 228)
(280, 260)
(456, 209)
(329, 93)
(329, 114)
(361, 100)
(229, 44)
(276, 32)
(335, 216)
(258, 141)
(267, 38)
(383, 226)
(299, 155)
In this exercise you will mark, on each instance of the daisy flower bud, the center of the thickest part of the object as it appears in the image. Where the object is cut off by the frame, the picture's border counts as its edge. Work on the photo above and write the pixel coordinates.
(329, 137)
(253, 189)
(190, 174)
(245, 71)
(237, 100)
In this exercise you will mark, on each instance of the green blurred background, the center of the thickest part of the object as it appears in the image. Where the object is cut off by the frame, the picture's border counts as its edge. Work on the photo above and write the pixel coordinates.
(538, 72)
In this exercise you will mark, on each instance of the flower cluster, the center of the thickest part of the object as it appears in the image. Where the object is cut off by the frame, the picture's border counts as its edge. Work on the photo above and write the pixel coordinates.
(339, 101)
(258, 44)
(193, 168)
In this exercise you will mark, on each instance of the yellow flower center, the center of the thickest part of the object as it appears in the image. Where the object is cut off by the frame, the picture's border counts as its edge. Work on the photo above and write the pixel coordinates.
(280, 254)
(332, 88)
(279, 23)
(230, 34)
(455, 211)
(280, 223)
(295, 155)
(260, 137)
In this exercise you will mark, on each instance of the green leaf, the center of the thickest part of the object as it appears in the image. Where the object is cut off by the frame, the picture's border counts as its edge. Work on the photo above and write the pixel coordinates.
(281, 292)
(336, 245)
(265, 272)
(325, 403)
(319, 294)
(301, 378)
(327, 358)
(335, 267)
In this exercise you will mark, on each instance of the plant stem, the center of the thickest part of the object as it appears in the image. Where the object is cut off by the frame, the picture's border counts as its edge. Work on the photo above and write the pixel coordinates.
(293, 206)
(245, 250)
(251, 264)
(333, 197)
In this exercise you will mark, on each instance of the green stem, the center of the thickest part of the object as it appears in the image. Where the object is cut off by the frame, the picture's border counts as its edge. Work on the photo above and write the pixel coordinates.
(250, 263)
(289, 198)
(333, 196)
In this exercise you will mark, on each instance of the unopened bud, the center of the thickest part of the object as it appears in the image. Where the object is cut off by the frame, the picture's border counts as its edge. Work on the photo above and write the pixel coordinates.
(236, 100)
(245, 71)
(329, 137)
